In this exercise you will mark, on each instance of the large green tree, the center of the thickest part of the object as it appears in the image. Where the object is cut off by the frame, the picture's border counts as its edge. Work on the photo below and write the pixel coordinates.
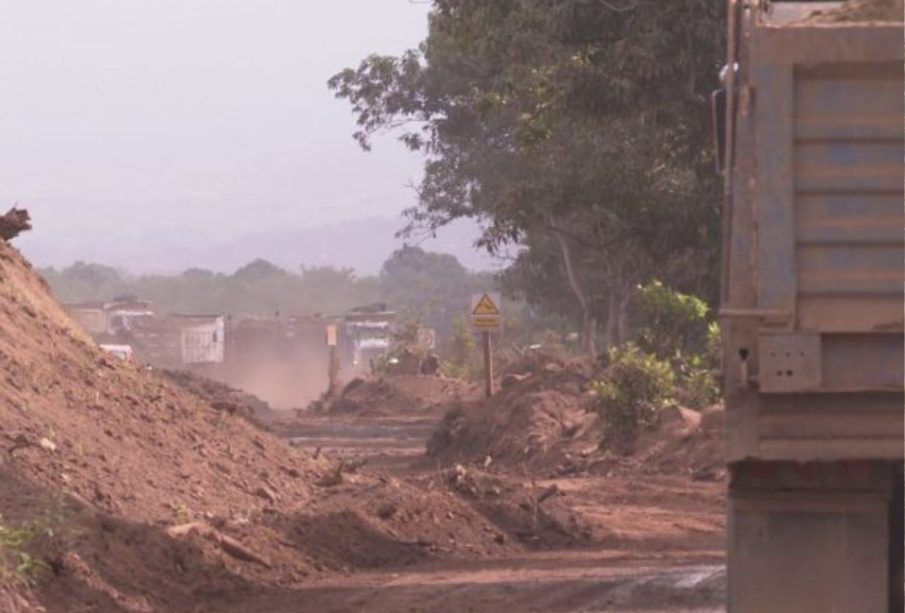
(577, 128)
(434, 287)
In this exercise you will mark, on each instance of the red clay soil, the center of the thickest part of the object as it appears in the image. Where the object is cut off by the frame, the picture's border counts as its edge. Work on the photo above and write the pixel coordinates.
(544, 423)
(106, 458)
(395, 395)
(221, 396)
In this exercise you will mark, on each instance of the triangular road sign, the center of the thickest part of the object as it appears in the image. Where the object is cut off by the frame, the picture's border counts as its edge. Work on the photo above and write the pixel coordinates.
(486, 306)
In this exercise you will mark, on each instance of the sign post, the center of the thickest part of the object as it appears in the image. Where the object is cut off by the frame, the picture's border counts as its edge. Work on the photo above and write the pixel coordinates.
(488, 364)
(333, 365)
(487, 318)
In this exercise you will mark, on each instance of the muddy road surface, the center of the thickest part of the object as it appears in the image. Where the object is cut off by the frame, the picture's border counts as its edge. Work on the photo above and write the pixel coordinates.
(559, 583)
(610, 544)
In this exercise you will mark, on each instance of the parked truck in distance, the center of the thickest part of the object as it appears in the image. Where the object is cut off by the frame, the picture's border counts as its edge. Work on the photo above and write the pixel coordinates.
(366, 337)
(812, 311)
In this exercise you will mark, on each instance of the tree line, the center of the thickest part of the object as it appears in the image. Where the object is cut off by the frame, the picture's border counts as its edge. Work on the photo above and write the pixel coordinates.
(576, 129)
(433, 288)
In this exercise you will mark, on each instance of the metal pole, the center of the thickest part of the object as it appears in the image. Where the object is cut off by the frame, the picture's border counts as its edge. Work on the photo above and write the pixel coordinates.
(333, 359)
(488, 365)
(332, 371)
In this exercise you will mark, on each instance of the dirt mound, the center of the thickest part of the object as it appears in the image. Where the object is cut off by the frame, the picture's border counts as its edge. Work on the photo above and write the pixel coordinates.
(391, 523)
(399, 394)
(544, 423)
(138, 495)
(104, 431)
(862, 10)
(220, 395)
(517, 428)
(535, 514)
(370, 397)
(105, 437)
(686, 442)
(540, 416)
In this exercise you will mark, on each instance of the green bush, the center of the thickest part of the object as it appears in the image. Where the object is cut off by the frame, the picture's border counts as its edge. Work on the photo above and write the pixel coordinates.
(463, 361)
(676, 327)
(713, 347)
(635, 387)
(672, 323)
(697, 383)
(698, 387)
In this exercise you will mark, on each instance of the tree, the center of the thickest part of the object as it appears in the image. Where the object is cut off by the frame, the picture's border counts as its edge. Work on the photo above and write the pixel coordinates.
(86, 282)
(434, 285)
(332, 290)
(413, 275)
(574, 127)
(259, 269)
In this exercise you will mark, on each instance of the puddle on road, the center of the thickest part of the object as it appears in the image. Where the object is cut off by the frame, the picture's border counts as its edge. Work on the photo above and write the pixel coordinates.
(704, 576)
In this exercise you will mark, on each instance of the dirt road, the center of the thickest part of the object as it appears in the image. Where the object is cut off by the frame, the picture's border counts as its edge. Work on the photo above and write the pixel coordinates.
(654, 545)
(539, 583)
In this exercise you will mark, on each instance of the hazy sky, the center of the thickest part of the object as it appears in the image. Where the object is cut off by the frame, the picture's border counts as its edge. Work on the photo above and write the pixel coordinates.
(143, 123)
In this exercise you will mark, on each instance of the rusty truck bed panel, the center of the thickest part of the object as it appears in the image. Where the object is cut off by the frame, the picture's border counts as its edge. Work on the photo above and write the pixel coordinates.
(829, 427)
(817, 264)
(831, 174)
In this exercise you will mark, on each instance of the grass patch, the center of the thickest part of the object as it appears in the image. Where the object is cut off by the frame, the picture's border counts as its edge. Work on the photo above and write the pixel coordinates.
(18, 546)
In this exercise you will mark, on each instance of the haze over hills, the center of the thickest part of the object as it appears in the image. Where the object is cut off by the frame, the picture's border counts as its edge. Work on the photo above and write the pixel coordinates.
(156, 135)
(362, 244)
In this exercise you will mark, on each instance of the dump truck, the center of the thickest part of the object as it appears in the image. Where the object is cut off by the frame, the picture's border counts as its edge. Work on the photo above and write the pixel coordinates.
(366, 337)
(811, 126)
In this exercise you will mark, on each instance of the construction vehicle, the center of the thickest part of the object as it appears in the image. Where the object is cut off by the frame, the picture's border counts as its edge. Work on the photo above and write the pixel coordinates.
(812, 307)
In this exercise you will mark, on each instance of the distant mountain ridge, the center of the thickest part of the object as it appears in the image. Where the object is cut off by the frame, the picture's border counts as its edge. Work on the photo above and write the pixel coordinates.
(361, 244)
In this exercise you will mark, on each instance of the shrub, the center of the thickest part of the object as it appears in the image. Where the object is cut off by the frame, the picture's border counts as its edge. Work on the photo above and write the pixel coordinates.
(698, 387)
(713, 347)
(463, 361)
(636, 386)
(672, 323)
(697, 382)
(675, 327)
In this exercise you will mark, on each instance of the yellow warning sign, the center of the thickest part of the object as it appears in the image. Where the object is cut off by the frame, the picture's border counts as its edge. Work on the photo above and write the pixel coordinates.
(485, 306)
(485, 312)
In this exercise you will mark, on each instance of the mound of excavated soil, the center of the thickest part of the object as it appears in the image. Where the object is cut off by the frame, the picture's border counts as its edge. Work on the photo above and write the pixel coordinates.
(531, 429)
(544, 423)
(862, 10)
(143, 497)
(394, 395)
(534, 422)
(686, 442)
(92, 427)
(220, 395)
(86, 433)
